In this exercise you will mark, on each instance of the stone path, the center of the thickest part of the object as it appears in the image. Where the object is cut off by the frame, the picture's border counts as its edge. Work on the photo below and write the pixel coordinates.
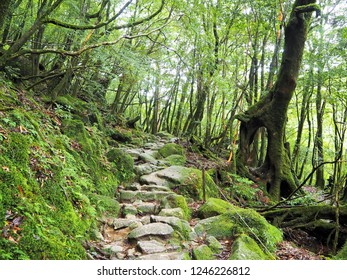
(150, 226)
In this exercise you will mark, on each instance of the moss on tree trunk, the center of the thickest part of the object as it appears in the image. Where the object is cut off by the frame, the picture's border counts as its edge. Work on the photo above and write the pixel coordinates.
(271, 112)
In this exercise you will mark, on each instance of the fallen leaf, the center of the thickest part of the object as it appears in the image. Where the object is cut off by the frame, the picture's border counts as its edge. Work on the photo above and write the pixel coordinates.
(6, 168)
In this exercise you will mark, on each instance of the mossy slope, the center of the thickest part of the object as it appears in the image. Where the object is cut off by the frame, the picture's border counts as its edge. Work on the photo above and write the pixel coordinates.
(55, 178)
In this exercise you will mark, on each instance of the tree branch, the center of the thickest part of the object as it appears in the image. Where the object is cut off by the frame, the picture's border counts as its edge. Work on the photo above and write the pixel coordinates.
(97, 26)
(86, 48)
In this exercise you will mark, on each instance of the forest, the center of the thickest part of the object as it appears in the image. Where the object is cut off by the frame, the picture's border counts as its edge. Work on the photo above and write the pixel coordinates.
(171, 129)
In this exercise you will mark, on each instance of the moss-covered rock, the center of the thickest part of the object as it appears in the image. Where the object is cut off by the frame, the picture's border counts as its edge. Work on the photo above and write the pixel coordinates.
(165, 135)
(214, 244)
(176, 201)
(171, 149)
(213, 207)
(203, 252)
(179, 160)
(105, 205)
(187, 181)
(245, 248)
(237, 221)
(121, 135)
(123, 162)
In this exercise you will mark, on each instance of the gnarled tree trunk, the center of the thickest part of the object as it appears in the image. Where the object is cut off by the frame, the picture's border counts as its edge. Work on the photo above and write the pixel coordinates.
(271, 111)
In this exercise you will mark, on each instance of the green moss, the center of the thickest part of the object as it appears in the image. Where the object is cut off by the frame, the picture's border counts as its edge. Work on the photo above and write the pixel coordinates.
(105, 205)
(237, 221)
(245, 248)
(214, 244)
(193, 184)
(213, 207)
(171, 149)
(17, 149)
(342, 254)
(176, 160)
(123, 162)
(203, 252)
(176, 201)
(121, 135)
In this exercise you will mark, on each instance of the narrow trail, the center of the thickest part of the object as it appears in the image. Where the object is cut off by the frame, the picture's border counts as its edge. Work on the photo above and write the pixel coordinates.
(150, 226)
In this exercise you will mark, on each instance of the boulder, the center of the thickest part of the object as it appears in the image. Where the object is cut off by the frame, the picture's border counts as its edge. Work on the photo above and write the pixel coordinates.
(203, 252)
(213, 207)
(214, 244)
(179, 225)
(245, 248)
(171, 149)
(176, 201)
(179, 160)
(187, 181)
(172, 212)
(238, 221)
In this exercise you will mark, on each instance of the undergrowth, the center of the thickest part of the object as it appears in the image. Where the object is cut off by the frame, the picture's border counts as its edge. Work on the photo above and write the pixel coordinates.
(55, 178)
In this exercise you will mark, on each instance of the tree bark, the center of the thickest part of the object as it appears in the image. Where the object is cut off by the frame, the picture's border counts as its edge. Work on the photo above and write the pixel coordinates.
(271, 111)
(4, 9)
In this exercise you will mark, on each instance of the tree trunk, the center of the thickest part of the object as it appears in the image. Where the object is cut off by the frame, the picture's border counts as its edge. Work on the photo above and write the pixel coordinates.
(4, 9)
(271, 111)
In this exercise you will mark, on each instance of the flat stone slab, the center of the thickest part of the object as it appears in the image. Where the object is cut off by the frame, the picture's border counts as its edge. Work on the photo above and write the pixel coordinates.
(157, 229)
(132, 196)
(151, 247)
(178, 224)
(155, 188)
(153, 179)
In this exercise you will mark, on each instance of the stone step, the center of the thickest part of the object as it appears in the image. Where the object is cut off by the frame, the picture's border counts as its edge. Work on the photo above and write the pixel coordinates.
(132, 196)
(140, 207)
(153, 229)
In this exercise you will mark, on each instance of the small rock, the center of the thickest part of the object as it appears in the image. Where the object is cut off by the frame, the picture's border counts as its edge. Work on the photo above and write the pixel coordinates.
(135, 224)
(120, 256)
(116, 249)
(122, 223)
(145, 220)
(130, 216)
(98, 235)
(131, 252)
